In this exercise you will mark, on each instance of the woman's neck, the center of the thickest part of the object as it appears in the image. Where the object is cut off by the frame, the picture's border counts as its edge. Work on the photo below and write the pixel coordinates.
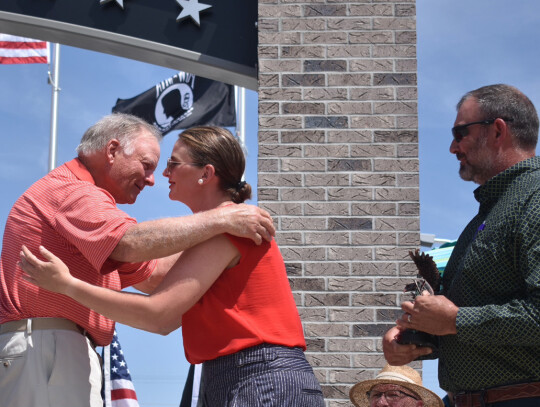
(225, 203)
(207, 204)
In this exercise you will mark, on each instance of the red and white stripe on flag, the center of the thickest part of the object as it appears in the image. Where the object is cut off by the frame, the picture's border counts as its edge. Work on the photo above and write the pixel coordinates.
(118, 389)
(21, 50)
(123, 394)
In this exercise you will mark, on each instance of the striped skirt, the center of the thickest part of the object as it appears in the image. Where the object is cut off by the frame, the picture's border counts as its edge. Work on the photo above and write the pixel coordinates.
(261, 376)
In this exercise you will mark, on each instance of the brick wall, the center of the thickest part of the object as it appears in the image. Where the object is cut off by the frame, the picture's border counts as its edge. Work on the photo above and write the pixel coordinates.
(338, 170)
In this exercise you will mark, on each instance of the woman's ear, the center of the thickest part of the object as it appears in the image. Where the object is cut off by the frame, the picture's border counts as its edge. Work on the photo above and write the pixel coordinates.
(209, 172)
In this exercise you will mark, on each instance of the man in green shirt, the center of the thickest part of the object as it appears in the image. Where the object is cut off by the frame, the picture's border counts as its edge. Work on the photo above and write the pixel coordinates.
(488, 316)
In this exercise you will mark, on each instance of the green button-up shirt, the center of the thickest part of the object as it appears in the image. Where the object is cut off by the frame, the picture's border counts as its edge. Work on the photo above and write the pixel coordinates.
(493, 275)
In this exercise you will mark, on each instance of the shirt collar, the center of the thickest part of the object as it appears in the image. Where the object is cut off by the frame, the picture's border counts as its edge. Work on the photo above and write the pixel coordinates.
(80, 171)
(490, 192)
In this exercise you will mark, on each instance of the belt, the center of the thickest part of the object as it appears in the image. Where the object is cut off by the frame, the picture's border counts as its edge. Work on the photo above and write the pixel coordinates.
(498, 394)
(43, 324)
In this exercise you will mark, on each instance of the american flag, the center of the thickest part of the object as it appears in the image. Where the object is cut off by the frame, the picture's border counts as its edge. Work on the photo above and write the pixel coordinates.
(21, 50)
(118, 389)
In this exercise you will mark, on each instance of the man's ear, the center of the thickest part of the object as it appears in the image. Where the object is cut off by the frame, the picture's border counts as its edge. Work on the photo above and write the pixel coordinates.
(502, 133)
(112, 148)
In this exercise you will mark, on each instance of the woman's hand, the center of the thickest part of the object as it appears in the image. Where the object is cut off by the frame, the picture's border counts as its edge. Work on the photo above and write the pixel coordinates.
(53, 275)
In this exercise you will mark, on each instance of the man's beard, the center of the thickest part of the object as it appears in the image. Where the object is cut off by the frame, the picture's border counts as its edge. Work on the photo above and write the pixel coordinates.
(482, 169)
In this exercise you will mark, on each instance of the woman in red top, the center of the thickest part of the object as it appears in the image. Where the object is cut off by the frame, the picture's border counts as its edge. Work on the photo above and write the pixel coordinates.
(231, 296)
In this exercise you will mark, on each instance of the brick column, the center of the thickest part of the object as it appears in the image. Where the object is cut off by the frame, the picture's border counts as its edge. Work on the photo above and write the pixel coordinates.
(338, 170)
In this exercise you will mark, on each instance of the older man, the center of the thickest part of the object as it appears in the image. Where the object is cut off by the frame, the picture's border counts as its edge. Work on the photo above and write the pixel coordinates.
(396, 386)
(47, 340)
(488, 317)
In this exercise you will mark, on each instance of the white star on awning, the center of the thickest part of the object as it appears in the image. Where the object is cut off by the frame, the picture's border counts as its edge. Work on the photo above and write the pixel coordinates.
(191, 8)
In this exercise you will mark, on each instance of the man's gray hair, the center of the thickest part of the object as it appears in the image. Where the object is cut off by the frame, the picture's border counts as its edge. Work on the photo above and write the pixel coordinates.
(506, 102)
(126, 128)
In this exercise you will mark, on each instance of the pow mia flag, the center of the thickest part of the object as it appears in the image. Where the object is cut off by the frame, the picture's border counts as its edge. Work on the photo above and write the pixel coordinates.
(183, 101)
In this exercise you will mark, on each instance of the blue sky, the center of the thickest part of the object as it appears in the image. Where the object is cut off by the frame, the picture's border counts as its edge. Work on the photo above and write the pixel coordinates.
(462, 45)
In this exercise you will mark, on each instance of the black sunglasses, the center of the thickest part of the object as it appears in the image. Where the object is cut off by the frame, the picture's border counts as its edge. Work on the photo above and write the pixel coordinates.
(461, 131)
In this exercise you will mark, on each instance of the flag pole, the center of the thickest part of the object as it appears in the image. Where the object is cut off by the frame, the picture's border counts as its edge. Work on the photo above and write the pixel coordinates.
(240, 94)
(53, 81)
(106, 368)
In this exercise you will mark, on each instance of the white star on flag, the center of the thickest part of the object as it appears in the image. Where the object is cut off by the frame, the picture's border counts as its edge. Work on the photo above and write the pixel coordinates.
(191, 8)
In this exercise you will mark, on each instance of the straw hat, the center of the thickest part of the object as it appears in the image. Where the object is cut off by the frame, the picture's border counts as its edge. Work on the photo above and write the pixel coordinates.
(404, 376)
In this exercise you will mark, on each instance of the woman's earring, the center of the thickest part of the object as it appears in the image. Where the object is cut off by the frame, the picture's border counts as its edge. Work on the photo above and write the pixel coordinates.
(200, 181)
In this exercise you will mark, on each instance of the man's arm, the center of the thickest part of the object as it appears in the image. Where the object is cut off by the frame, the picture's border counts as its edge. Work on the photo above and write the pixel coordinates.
(514, 320)
(164, 237)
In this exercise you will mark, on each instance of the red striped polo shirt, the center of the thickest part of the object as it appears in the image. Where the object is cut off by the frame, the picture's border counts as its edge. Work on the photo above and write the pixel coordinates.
(80, 223)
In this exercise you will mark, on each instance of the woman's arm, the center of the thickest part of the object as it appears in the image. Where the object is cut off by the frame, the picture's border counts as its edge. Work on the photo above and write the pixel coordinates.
(161, 312)
(163, 266)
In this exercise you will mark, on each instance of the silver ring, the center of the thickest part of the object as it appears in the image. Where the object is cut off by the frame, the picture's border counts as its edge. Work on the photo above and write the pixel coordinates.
(409, 318)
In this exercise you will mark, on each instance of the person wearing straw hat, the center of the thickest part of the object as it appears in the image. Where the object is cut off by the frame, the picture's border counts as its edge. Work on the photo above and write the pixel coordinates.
(396, 386)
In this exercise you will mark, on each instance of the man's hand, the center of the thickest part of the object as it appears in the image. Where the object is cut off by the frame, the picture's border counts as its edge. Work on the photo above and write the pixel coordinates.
(248, 221)
(397, 354)
(434, 314)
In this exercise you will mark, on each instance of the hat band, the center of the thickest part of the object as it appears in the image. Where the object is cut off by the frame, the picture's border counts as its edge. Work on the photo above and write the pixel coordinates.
(396, 376)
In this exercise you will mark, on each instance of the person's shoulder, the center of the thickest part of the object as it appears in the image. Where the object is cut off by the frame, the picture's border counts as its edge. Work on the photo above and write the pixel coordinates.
(57, 184)
(531, 182)
(239, 241)
(245, 244)
(78, 192)
(527, 184)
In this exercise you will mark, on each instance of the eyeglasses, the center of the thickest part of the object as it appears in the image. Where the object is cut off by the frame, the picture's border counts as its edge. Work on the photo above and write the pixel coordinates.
(171, 164)
(461, 131)
(391, 396)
